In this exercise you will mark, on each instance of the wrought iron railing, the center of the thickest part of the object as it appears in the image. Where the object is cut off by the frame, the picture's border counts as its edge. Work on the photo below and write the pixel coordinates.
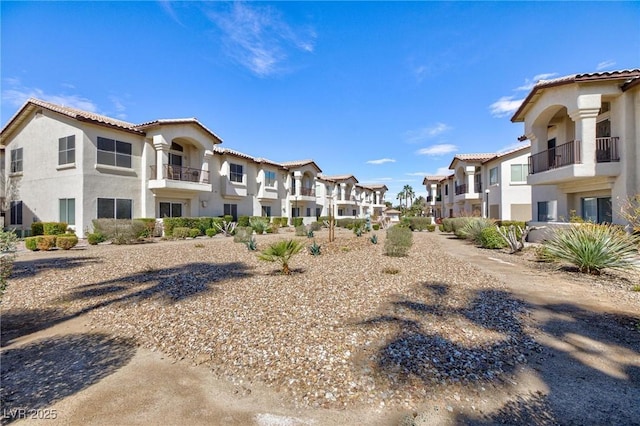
(461, 189)
(184, 174)
(607, 150)
(560, 156)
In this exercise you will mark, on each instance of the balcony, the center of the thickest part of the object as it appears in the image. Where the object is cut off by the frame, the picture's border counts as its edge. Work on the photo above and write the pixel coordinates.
(306, 194)
(564, 164)
(431, 198)
(560, 156)
(461, 189)
(180, 178)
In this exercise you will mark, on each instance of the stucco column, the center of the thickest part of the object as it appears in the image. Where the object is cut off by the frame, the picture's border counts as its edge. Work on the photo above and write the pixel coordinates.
(585, 124)
(470, 172)
(208, 155)
(162, 155)
(298, 182)
(343, 190)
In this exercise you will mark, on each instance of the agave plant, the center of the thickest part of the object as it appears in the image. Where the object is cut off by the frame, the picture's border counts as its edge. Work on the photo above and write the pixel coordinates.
(314, 249)
(281, 251)
(374, 239)
(252, 244)
(593, 247)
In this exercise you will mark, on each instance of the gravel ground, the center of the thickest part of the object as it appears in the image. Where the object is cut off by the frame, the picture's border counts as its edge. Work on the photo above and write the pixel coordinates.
(348, 327)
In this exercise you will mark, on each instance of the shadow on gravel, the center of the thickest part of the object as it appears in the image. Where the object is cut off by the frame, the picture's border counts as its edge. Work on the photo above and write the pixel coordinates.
(41, 373)
(589, 361)
(30, 268)
(423, 354)
(171, 285)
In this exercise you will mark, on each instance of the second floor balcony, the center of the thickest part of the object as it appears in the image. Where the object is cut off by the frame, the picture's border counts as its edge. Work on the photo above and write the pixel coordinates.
(569, 153)
(179, 178)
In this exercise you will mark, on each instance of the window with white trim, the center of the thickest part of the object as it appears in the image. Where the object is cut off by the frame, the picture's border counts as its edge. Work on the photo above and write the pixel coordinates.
(16, 212)
(493, 176)
(67, 150)
(115, 208)
(235, 172)
(114, 153)
(519, 172)
(170, 209)
(269, 179)
(68, 210)
(231, 210)
(16, 160)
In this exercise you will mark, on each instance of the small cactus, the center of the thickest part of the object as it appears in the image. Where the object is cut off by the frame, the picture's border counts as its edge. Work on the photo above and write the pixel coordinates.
(310, 233)
(374, 239)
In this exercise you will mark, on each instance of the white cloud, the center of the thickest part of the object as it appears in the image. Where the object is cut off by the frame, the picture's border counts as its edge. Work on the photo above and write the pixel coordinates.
(443, 171)
(414, 136)
(119, 107)
(513, 146)
(421, 174)
(504, 106)
(605, 64)
(168, 8)
(530, 82)
(17, 95)
(258, 38)
(382, 179)
(381, 161)
(439, 149)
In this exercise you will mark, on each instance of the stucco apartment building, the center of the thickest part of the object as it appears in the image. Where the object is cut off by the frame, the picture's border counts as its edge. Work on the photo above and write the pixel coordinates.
(585, 145)
(489, 185)
(64, 164)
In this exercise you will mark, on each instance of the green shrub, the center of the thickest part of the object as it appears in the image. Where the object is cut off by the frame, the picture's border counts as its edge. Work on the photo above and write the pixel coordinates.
(458, 224)
(211, 232)
(45, 242)
(243, 234)
(194, 232)
(593, 247)
(471, 231)
(31, 243)
(202, 223)
(66, 241)
(228, 218)
(418, 223)
(301, 231)
(447, 224)
(8, 242)
(543, 255)
(399, 241)
(119, 231)
(297, 221)
(274, 227)
(376, 226)
(350, 223)
(490, 238)
(54, 228)
(243, 221)
(441, 227)
(149, 228)
(259, 224)
(181, 232)
(431, 227)
(316, 226)
(37, 228)
(95, 238)
(508, 223)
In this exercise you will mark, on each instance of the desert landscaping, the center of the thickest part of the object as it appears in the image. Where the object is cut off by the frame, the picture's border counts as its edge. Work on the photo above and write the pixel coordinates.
(451, 333)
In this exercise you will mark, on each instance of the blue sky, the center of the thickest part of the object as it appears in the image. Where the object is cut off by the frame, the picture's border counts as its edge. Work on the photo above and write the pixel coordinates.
(386, 91)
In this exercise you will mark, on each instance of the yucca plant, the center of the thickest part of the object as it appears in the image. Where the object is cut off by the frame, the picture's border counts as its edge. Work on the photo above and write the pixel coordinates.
(281, 251)
(593, 247)
(473, 228)
(314, 249)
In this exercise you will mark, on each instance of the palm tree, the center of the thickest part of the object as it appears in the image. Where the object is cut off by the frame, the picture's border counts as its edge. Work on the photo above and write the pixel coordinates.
(281, 251)
(408, 194)
(400, 196)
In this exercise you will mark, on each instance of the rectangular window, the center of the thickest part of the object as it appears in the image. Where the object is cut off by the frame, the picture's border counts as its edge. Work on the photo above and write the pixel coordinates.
(596, 210)
(16, 160)
(340, 212)
(115, 208)
(446, 190)
(68, 210)
(308, 211)
(114, 153)
(295, 212)
(67, 150)
(270, 179)
(547, 211)
(16, 212)
(318, 211)
(353, 212)
(266, 211)
(493, 176)
(235, 173)
(231, 210)
(519, 172)
(170, 210)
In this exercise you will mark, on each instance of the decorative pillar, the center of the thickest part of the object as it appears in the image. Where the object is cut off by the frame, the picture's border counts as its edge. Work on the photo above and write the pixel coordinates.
(208, 155)
(585, 125)
(162, 155)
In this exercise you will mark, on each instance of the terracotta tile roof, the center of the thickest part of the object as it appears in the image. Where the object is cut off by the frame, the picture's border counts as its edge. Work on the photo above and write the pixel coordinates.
(433, 178)
(375, 186)
(300, 163)
(227, 151)
(337, 178)
(171, 121)
(33, 104)
(627, 76)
